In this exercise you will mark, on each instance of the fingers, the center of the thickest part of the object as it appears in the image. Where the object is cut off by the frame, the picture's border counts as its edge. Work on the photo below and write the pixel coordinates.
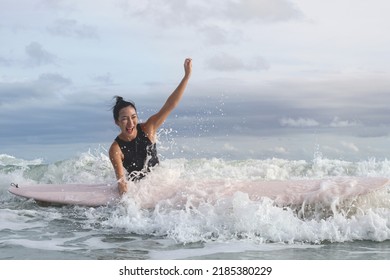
(122, 187)
(188, 62)
(188, 66)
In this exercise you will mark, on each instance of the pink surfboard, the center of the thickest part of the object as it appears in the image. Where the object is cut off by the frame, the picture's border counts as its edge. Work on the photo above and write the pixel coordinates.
(72, 194)
(286, 192)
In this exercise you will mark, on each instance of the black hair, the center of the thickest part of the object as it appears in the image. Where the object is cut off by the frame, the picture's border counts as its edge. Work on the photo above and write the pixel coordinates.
(120, 104)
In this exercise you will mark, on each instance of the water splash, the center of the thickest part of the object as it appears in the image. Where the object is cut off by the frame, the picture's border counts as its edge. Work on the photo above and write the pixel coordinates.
(181, 208)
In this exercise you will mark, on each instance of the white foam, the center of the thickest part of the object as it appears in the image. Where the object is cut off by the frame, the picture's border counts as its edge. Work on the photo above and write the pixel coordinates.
(184, 210)
(11, 160)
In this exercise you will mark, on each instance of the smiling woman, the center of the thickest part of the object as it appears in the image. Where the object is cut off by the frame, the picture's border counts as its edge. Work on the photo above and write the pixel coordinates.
(138, 151)
(134, 149)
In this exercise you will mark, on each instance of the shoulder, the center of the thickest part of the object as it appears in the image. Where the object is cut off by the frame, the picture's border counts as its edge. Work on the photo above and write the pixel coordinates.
(114, 150)
(149, 130)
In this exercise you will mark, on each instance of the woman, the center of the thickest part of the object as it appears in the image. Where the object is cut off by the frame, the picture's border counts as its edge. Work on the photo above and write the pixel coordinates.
(134, 150)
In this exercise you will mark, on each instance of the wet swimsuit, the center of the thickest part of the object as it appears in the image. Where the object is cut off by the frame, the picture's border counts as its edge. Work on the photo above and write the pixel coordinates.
(139, 155)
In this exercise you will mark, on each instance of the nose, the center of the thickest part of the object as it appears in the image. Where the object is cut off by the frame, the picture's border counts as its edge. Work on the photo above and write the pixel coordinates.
(132, 122)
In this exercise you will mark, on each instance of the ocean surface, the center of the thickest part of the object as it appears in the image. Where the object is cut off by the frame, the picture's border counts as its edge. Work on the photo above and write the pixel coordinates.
(193, 222)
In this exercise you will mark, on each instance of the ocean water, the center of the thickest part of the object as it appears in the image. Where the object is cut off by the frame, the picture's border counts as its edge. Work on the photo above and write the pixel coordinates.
(188, 221)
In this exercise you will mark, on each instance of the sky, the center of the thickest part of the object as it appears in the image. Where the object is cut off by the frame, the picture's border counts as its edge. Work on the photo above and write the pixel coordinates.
(271, 78)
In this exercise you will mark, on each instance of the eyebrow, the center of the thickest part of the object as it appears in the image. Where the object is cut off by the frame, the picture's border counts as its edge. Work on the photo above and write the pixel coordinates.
(125, 116)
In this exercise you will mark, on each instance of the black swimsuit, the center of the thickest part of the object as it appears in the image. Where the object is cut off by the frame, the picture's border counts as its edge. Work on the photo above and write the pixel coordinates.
(139, 154)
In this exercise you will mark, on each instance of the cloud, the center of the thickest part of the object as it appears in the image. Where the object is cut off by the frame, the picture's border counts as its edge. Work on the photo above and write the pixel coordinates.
(47, 110)
(5, 61)
(263, 10)
(351, 146)
(37, 92)
(38, 56)
(227, 62)
(216, 35)
(342, 123)
(72, 28)
(165, 13)
(52, 81)
(229, 147)
(278, 150)
(105, 79)
(56, 5)
(300, 122)
(190, 12)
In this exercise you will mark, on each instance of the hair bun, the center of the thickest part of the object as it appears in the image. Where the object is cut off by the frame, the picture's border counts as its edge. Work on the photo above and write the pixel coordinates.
(119, 99)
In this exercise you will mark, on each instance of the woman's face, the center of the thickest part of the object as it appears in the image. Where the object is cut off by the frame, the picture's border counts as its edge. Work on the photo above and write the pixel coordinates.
(127, 121)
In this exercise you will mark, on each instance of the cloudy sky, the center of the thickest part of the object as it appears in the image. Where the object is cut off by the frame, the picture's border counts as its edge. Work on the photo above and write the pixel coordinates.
(271, 78)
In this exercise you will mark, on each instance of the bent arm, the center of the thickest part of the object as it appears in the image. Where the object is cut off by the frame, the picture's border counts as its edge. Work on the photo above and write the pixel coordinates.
(155, 121)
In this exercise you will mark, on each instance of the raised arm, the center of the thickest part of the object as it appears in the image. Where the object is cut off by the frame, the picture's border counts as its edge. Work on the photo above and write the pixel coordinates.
(155, 121)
